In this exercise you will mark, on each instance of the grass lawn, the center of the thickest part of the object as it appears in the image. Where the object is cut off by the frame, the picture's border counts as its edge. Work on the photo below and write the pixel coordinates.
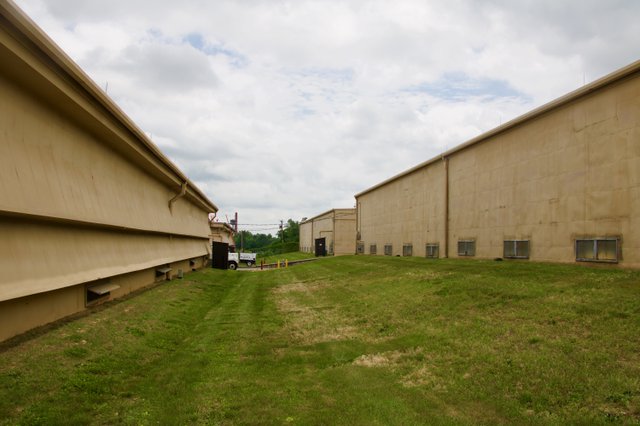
(347, 340)
(296, 255)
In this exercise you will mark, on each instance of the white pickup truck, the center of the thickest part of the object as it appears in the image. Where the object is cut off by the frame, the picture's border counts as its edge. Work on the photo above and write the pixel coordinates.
(236, 258)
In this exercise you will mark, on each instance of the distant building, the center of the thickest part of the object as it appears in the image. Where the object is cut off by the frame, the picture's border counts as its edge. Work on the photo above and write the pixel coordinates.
(560, 183)
(330, 233)
(90, 209)
(222, 232)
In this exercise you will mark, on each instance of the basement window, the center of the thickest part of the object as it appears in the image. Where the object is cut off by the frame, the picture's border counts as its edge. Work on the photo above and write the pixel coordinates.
(388, 250)
(360, 248)
(466, 247)
(433, 251)
(597, 250)
(373, 249)
(98, 292)
(516, 249)
(407, 250)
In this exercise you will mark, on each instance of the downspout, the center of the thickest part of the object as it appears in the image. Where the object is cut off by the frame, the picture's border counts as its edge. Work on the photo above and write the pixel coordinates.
(183, 191)
(446, 206)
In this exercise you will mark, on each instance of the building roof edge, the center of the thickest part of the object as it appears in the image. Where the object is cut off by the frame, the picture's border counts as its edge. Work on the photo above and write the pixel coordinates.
(583, 91)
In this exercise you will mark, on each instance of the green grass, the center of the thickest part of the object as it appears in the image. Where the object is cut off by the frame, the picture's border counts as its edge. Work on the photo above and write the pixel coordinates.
(295, 255)
(345, 340)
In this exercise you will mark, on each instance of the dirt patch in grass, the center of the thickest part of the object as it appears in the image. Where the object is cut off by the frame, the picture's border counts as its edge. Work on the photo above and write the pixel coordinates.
(308, 319)
(422, 376)
(389, 358)
(300, 287)
(412, 360)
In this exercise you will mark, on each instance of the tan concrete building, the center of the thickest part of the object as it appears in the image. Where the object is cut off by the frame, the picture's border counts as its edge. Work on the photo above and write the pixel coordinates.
(90, 209)
(330, 233)
(560, 183)
(222, 233)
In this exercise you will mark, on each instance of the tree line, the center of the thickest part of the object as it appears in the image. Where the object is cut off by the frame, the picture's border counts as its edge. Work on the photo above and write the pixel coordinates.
(285, 240)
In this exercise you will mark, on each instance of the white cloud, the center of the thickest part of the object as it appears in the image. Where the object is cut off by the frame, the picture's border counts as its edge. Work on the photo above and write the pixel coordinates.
(281, 109)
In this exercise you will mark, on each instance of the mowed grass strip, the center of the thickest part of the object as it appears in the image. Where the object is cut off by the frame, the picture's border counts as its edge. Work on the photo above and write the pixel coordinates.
(349, 340)
(291, 256)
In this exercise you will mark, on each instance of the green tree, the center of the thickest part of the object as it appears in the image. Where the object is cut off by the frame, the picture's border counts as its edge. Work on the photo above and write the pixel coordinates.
(291, 232)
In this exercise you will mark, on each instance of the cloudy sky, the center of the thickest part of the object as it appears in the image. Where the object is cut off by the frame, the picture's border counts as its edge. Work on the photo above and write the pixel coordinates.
(285, 109)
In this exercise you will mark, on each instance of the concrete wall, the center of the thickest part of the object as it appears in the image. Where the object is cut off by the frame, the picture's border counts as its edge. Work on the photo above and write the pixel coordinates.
(406, 211)
(344, 241)
(566, 171)
(571, 173)
(84, 195)
(306, 240)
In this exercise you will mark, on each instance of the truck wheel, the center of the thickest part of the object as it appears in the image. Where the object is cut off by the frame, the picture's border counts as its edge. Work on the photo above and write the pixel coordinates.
(249, 263)
(233, 266)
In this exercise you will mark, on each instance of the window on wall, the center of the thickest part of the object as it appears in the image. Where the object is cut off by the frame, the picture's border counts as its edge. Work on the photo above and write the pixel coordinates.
(466, 247)
(516, 249)
(597, 250)
(373, 249)
(433, 250)
(407, 249)
(388, 250)
(360, 248)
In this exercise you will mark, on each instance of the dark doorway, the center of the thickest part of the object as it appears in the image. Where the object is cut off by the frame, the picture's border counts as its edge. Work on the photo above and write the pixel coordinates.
(220, 259)
(321, 247)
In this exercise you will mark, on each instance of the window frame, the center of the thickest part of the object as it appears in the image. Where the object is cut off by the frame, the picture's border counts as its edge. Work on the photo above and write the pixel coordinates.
(390, 249)
(373, 249)
(360, 247)
(595, 241)
(465, 253)
(515, 249)
(407, 248)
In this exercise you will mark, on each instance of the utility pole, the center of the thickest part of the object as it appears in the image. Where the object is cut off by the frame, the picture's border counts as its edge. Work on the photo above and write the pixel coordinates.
(282, 230)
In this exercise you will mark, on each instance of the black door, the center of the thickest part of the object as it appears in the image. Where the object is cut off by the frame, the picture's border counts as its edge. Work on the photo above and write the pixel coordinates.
(220, 253)
(321, 247)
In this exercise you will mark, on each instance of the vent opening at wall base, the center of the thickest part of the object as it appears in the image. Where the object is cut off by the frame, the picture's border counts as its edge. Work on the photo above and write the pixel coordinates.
(432, 250)
(98, 293)
(598, 250)
(466, 247)
(516, 249)
(163, 272)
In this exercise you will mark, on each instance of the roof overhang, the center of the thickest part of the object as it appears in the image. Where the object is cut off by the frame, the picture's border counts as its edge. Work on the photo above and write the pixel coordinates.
(76, 84)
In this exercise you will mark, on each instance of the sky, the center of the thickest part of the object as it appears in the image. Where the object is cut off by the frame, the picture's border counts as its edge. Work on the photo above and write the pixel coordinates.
(286, 109)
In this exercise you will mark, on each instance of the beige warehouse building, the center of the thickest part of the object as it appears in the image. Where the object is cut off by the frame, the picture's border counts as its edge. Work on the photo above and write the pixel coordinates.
(560, 183)
(330, 233)
(90, 209)
(222, 233)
